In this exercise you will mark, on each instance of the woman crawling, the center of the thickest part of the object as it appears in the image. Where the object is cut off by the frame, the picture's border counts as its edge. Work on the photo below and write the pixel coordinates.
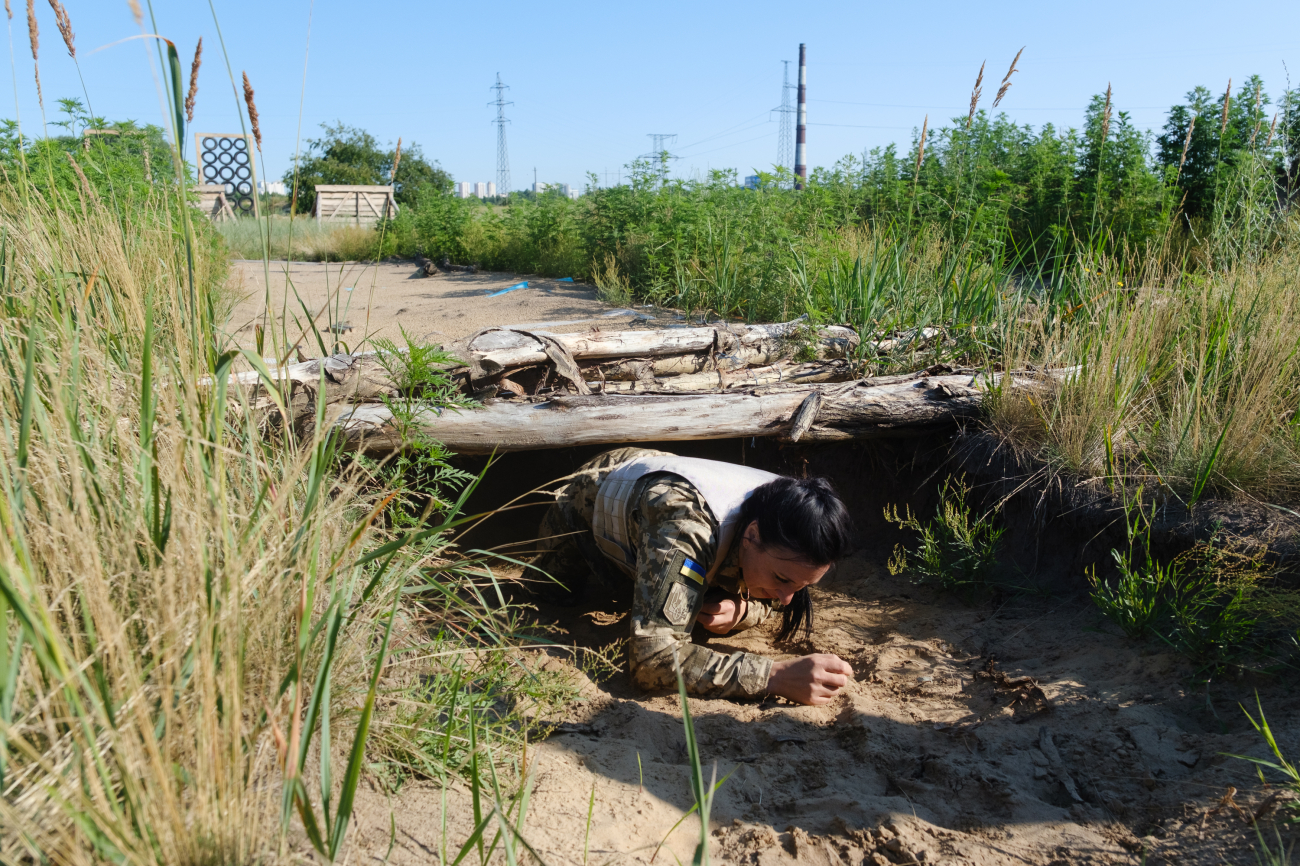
(706, 542)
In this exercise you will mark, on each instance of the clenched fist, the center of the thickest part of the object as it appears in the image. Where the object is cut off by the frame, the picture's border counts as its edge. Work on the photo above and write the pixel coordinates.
(814, 680)
(722, 614)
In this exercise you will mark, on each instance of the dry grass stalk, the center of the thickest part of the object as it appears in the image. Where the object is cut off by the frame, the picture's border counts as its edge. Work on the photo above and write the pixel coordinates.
(1006, 81)
(1187, 142)
(64, 23)
(1271, 130)
(1105, 117)
(975, 95)
(1227, 101)
(136, 12)
(397, 160)
(194, 81)
(1254, 132)
(920, 151)
(252, 111)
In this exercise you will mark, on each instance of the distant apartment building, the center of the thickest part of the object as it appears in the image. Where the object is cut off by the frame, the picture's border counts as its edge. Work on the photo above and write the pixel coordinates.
(478, 189)
(564, 189)
(273, 187)
(751, 181)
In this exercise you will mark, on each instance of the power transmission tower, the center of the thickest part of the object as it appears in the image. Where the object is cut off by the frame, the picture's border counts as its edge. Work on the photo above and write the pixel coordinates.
(659, 153)
(785, 134)
(503, 157)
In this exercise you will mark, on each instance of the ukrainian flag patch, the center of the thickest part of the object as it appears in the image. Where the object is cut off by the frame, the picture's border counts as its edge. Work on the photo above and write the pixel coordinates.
(692, 569)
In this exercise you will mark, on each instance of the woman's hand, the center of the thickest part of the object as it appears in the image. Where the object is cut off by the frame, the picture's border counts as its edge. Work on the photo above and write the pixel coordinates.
(814, 680)
(722, 614)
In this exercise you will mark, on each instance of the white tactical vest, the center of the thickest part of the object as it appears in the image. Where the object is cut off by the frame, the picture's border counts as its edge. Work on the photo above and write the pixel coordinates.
(724, 487)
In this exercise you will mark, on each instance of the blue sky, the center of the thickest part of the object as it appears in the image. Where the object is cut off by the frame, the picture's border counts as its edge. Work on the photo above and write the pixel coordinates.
(590, 80)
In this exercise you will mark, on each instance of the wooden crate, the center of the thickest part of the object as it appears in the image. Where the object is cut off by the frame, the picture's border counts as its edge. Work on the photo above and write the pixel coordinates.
(359, 205)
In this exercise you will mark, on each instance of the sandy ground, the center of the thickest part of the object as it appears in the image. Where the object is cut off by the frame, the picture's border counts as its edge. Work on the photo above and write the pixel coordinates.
(1018, 731)
(943, 751)
(364, 301)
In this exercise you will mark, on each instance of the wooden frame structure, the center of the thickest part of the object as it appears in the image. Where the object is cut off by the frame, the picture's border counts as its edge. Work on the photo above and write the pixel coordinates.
(361, 205)
(213, 202)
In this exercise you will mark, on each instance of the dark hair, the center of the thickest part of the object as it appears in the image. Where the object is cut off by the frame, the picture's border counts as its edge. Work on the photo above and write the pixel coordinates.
(805, 517)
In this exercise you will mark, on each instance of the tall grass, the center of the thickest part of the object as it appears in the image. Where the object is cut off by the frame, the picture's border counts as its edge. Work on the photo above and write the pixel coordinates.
(198, 612)
(1185, 382)
(300, 239)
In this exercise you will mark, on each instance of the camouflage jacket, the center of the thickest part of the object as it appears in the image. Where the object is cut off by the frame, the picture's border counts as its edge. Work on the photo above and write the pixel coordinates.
(675, 537)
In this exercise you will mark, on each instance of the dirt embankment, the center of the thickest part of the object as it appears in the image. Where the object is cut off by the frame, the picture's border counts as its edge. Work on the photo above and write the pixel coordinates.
(1017, 730)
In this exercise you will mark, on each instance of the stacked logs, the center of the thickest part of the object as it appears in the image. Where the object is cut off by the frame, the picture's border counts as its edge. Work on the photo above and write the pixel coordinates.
(533, 390)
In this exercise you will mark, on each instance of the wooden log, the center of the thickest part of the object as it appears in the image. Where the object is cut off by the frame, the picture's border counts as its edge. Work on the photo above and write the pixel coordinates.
(346, 379)
(714, 380)
(855, 410)
(501, 349)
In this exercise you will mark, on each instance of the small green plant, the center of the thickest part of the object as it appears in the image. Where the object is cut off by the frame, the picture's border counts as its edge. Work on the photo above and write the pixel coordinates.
(1215, 613)
(421, 474)
(702, 793)
(1136, 598)
(957, 550)
(1209, 602)
(1288, 798)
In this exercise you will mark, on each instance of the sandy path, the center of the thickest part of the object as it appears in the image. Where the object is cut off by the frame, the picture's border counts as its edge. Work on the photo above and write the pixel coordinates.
(377, 300)
(925, 760)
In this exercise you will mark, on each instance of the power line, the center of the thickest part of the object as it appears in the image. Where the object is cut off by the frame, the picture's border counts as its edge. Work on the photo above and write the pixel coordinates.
(660, 151)
(785, 136)
(503, 157)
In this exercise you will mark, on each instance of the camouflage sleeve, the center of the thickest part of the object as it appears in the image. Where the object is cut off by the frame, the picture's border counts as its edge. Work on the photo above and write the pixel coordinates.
(756, 614)
(675, 538)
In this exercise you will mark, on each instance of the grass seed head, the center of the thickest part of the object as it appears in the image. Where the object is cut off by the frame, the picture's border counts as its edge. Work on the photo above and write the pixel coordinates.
(920, 151)
(1254, 130)
(1187, 142)
(1006, 81)
(194, 81)
(1105, 117)
(9, 10)
(1227, 101)
(252, 111)
(33, 30)
(1271, 130)
(975, 95)
(85, 183)
(397, 159)
(64, 23)
(136, 12)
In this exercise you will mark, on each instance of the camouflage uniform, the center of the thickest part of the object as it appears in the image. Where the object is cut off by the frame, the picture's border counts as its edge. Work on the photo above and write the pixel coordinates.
(668, 521)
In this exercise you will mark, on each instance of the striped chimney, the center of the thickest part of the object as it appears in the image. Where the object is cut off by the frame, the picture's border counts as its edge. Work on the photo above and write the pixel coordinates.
(801, 134)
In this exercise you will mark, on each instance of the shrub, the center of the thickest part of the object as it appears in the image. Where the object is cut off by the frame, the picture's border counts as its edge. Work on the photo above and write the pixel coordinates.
(957, 551)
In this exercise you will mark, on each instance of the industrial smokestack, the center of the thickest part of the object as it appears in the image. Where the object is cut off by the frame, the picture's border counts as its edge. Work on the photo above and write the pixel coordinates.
(801, 135)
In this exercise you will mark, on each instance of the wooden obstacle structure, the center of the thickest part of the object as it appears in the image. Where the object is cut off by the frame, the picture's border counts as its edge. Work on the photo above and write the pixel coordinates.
(213, 202)
(536, 390)
(359, 205)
